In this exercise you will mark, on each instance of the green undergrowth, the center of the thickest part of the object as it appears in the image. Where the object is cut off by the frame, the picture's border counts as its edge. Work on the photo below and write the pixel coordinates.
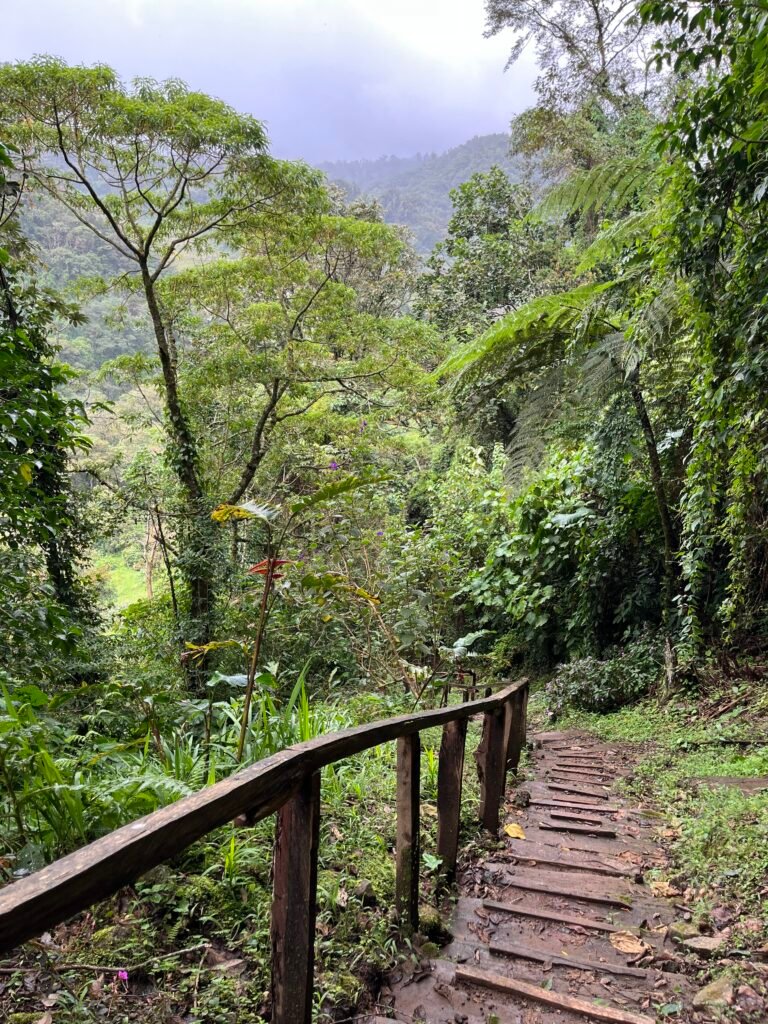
(193, 934)
(717, 836)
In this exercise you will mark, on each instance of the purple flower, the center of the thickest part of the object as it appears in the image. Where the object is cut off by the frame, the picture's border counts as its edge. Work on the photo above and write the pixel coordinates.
(363, 425)
(333, 464)
(122, 975)
(379, 533)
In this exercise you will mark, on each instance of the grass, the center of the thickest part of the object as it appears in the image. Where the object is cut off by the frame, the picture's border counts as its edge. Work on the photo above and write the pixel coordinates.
(126, 585)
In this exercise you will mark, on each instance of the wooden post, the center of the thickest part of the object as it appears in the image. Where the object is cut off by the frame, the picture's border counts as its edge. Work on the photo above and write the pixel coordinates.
(449, 778)
(407, 846)
(491, 767)
(293, 904)
(519, 706)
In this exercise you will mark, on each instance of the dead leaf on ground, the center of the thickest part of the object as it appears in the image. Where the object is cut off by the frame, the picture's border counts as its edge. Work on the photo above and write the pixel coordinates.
(514, 831)
(628, 943)
(661, 888)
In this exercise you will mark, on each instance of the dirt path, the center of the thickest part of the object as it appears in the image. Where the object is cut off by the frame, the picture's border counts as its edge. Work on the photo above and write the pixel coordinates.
(559, 925)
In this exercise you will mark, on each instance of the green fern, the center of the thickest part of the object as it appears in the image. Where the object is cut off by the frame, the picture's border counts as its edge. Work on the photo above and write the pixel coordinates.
(617, 237)
(607, 189)
(524, 338)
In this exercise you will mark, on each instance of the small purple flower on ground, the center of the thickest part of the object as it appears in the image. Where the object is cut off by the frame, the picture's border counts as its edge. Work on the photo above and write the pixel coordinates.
(122, 975)
(333, 464)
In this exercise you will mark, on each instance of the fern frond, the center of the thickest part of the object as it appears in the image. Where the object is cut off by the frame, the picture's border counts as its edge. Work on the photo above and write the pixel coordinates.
(608, 188)
(522, 337)
(620, 235)
(535, 419)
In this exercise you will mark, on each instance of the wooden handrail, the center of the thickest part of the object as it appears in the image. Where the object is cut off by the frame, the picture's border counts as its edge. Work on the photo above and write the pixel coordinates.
(69, 885)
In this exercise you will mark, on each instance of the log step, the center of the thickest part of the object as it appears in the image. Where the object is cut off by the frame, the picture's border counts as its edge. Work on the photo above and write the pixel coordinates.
(584, 830)
(555, 889)
(526, 910)
(575, 805)
(597, 867)
(578, 790)
(585, 819)
(568, 770)
(543, 956)
(513, 987)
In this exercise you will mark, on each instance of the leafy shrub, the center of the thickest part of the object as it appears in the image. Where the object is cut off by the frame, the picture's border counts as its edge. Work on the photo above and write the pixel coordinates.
(589, 684)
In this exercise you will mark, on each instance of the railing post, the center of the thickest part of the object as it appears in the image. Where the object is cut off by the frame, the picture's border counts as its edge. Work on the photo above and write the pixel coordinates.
(516, 738)
(293, 904)
(450, 770)
(491, 767)
(407, 843)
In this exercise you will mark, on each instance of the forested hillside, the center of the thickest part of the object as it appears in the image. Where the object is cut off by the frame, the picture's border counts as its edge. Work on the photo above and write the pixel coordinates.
(415, 191)
(266, 474)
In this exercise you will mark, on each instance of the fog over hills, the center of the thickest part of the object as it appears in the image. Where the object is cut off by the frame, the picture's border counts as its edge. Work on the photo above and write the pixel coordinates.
(415, 190)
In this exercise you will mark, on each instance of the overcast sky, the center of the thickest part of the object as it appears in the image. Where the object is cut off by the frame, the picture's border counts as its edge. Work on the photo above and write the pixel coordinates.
(332, 79)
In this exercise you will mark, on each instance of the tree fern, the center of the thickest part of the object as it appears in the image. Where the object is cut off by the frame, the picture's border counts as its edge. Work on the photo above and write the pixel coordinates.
(623, 234)
(523, 339)
(607, 189)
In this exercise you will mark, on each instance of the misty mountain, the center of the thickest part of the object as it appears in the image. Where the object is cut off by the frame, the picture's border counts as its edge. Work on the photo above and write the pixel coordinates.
(415, 190)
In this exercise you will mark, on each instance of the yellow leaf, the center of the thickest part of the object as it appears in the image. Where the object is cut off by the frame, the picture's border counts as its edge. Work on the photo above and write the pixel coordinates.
(26, 471)
(514, 831)
(628, 943)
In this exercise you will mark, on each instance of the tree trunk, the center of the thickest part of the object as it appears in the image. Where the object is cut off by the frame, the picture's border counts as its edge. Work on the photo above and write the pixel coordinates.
(659, 491)
(197, 563)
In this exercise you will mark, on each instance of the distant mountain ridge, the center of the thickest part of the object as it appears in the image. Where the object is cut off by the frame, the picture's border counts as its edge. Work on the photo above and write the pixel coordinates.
(414, 190)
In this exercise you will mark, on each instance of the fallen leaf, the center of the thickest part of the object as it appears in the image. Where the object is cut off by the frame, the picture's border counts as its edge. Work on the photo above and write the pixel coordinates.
(628, 943)
(514, 831)
(662, 888)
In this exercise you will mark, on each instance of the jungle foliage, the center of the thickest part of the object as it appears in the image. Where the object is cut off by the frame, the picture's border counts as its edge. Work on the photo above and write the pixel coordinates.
(340, 478)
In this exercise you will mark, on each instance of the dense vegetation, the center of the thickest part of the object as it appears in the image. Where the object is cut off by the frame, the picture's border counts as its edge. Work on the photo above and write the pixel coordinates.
(415, 191)
(298, 480)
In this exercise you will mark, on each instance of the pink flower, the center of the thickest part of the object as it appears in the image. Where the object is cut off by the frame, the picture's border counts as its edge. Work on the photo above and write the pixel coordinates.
(122, 975)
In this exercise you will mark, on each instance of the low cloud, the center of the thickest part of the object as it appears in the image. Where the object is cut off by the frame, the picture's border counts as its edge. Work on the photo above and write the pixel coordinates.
(333, 79)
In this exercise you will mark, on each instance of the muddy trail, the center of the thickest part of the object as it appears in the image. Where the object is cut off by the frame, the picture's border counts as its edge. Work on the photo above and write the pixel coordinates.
(559, 923)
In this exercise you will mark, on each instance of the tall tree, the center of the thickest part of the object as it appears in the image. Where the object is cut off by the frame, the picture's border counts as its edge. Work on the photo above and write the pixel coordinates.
(584, 48)
(154, 171)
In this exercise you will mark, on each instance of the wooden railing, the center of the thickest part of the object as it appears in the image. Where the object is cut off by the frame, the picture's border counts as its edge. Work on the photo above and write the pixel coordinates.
(289, 782)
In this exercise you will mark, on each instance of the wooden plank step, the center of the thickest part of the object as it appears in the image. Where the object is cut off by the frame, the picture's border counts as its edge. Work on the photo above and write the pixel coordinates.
(543, 956)
(573, 786)
(586, 762)
(560, 775)
(513, 987)
(573, 816)
(533, 885)
(593, 773)
(522, 851)
(576, 805)
(578, 749)
(575, 791)
(527, 910)
(584, 830)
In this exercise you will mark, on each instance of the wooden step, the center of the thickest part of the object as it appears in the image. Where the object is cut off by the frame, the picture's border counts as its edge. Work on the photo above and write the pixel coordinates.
(511, 986)
(575, 805)
(567, 815)
(584, 830)
(593, 773)
(579, 790)
(543, 956)
(527, 852)
(528, 910)
(557, 889)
